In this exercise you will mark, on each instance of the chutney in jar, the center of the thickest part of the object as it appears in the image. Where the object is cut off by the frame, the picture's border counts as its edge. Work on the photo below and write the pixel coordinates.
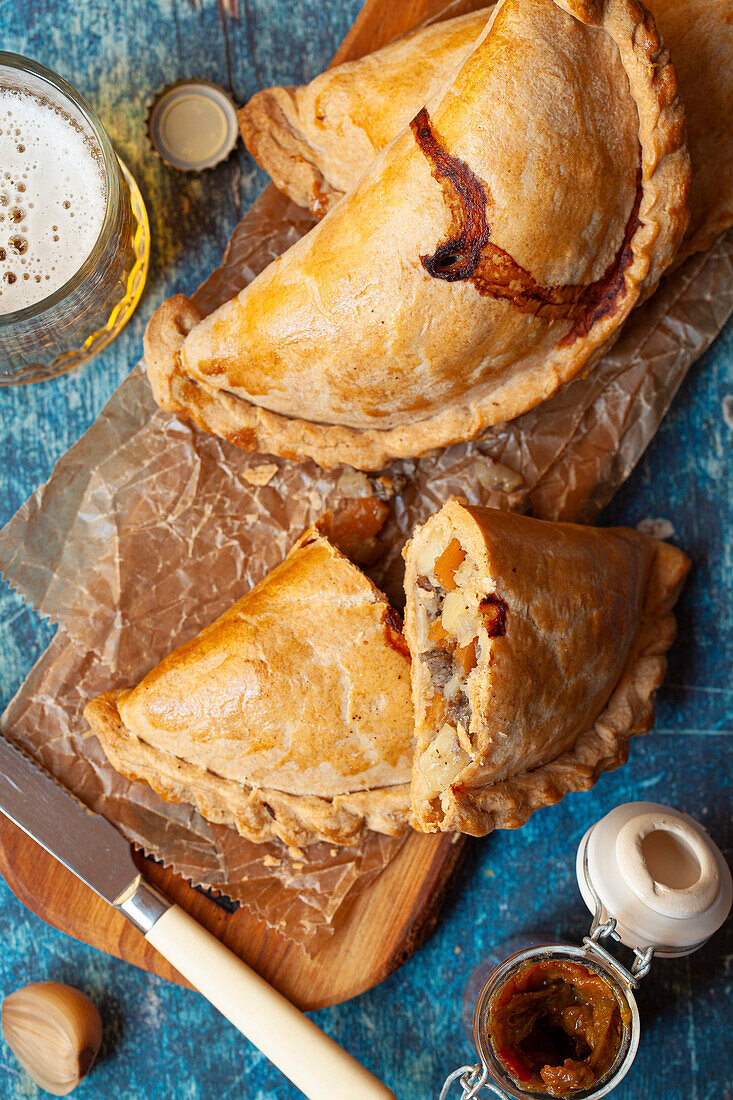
(556, 1027)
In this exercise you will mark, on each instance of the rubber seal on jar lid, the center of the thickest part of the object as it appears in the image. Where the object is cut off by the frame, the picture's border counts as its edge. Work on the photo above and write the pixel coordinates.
(192, 125)
(657, 871)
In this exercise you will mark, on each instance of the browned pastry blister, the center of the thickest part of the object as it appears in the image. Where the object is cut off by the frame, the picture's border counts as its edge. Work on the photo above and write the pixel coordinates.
(316, 141)
(489, 254)
(537, 648)
(288, 717)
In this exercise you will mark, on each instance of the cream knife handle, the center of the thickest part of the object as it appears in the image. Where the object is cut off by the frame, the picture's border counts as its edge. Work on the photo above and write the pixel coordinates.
(317, 1065)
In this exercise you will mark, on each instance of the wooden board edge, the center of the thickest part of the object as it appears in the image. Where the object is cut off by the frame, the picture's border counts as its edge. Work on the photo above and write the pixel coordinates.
(307, 982)
(126, 943)
(120, 938)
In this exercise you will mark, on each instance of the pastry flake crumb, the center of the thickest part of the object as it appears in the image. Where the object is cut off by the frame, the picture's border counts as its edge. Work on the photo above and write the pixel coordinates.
(354, 484)
(261, 475)
(657, 528)
(495, 476)
(458, 949)
(296, 853)
(334, 853)
(298, 866)
(272, 861)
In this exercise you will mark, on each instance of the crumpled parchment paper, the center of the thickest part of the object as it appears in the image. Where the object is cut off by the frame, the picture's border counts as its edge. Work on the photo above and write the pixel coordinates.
(148, 529)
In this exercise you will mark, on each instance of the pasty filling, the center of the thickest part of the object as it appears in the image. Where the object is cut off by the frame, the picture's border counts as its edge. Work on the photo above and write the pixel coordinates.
(455, 618)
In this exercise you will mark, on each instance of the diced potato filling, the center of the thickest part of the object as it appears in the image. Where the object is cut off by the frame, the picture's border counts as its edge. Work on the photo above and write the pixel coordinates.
(456, 617)
(445, 757)
(455, 606)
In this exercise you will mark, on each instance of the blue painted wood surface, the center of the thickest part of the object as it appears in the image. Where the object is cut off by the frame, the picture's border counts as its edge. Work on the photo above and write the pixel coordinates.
(162, 1041)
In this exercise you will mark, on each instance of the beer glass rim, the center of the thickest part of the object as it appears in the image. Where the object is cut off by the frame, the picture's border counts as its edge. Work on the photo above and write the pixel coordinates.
(111, 173)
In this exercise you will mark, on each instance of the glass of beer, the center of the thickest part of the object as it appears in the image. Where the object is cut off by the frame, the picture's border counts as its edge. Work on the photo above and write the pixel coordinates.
(74, 235)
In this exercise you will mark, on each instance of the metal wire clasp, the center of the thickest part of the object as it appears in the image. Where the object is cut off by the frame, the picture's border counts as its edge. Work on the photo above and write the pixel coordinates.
(472, 1080)
(606, 928)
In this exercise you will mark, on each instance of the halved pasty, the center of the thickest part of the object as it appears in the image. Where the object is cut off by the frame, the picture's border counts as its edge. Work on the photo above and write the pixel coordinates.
(492, 251)
(536, 651)
(316, 141)
(290, 716)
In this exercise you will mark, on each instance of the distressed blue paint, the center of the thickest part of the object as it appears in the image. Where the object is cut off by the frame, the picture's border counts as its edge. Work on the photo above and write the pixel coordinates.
(161, 1041)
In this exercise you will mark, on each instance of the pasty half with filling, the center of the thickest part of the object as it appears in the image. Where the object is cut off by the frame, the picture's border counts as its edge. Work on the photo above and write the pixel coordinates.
(489, 254)
(536, 651)
(290, 716)
(317, 140)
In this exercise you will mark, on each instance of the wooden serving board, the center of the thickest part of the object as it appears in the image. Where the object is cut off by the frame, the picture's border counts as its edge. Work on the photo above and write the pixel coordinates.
(382, 929)
(385, 924)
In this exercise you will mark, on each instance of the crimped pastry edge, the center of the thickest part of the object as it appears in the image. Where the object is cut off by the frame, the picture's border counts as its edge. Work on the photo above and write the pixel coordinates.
(271, 128)
(264, 814)
(268, 131)
(259, 814)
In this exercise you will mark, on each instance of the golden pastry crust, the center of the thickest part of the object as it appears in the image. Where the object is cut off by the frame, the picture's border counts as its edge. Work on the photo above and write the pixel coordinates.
(576, 622)
(316, 141)
(290, 716)
(430, 304)
(258, 814)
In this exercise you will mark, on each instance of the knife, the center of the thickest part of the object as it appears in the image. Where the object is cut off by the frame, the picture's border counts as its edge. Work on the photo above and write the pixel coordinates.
(96, 853)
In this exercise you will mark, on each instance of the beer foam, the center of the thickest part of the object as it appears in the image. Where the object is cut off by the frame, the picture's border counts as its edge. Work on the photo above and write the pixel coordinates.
(53, 198)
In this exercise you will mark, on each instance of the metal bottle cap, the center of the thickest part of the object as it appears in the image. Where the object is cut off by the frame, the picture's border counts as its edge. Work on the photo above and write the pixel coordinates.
(192, 125)
(658, 873)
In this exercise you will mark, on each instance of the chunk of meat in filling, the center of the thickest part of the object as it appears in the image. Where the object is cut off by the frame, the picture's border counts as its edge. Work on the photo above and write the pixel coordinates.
(439, 664)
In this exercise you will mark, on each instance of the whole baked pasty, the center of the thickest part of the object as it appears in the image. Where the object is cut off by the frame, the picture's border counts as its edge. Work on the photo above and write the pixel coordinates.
(536, 651)
(489, 254)
(317, 140)
(290, 716)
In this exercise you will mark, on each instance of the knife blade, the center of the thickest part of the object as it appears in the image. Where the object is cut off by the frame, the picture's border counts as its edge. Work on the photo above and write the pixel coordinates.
(83, 841)
(91, 848)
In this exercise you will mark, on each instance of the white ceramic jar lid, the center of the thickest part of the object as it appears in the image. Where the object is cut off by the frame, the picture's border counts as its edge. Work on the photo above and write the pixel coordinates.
(657, 871)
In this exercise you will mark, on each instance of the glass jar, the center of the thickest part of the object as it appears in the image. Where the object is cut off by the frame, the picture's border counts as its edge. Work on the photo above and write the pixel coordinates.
(616, 978)
(657, 867)
(74, 322)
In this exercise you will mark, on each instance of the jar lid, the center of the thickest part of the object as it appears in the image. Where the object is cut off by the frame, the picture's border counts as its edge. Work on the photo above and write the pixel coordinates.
(659, 874)
(192, 125)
